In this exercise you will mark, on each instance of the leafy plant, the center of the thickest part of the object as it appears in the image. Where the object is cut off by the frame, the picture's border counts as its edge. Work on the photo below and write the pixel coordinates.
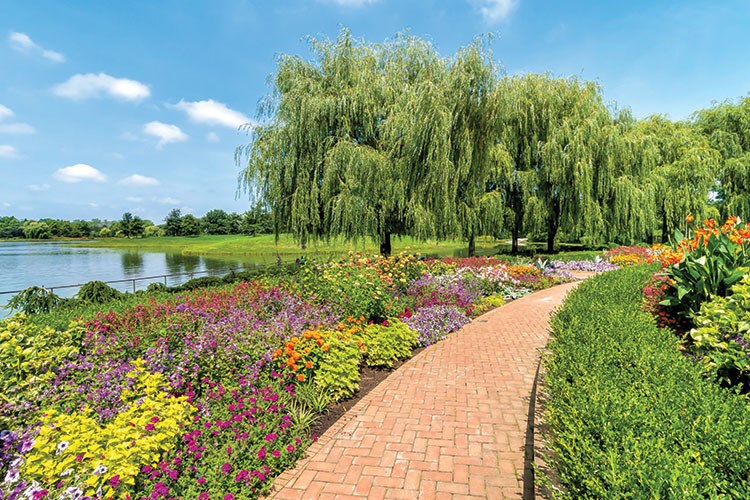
(338, 373)
(629, 415)
(720, 339)
(97, 292)
(387, 343)
(34, 300)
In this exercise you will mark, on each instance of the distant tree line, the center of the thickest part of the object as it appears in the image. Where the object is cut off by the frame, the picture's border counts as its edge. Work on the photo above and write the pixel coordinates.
(257, 220)
(374, 140)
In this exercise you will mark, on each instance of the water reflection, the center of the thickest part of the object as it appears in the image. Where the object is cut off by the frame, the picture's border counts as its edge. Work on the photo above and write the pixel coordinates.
(132, 263)
(177, 263)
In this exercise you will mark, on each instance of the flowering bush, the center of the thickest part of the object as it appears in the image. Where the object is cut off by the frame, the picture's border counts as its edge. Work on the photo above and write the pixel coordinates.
(73, 453)
(434, 323)
(709, 264)
(488, 303)
(210, 394)
(583, 265)
(628, 255)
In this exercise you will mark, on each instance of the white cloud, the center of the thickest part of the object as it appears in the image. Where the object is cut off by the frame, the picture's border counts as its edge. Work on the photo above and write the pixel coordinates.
(16, 128)
(38, 187)
(494, 11)
(88, 86)
(6, 204)
(78, 173)
(139, 180)
(134, 199)
(167, 201)
(13, 128)
(8, 152)
(211, 112)
(165, 132)
(23, 43)
(212, 137)
(5, 112)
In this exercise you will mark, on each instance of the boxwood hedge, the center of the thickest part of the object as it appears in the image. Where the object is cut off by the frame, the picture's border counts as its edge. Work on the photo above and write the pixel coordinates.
(628, 415)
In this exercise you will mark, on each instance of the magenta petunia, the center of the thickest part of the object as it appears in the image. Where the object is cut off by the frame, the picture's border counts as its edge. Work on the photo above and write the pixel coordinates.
(226, 468)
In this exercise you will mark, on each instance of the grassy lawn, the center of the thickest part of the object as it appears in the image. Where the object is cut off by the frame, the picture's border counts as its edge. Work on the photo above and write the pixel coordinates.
(265, 247)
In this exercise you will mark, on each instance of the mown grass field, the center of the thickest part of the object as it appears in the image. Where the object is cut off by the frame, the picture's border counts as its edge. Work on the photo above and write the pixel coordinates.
(286, 248)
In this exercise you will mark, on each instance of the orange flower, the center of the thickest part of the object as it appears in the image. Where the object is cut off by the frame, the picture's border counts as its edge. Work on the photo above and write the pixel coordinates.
(689, 218)
(308, 364)
(325, 348)
(301, 377)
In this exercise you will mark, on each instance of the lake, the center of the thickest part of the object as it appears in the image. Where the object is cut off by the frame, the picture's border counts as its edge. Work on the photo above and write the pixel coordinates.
(55, 264)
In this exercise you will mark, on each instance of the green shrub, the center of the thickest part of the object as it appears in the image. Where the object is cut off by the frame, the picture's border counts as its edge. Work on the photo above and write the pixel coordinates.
(196, 283)
(720, 340)
(338, 371)
(34, 300)
(156, 287)
(629, 415)
(384, 345)
(487, 303)
(97, 292)
(28, 355)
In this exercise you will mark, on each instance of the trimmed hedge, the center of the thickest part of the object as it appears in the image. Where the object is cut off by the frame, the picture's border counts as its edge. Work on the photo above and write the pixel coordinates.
(629, 415)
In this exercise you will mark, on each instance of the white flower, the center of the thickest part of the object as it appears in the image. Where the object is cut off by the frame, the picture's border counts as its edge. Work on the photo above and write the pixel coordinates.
(11, 476)
(100, 470)
(66, 472)
(62, 447)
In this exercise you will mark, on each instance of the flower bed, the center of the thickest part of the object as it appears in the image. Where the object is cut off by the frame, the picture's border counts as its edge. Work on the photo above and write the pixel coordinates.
(210, 394)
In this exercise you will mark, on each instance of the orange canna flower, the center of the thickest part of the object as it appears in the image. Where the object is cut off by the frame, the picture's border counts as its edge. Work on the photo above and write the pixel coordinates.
(689, 218)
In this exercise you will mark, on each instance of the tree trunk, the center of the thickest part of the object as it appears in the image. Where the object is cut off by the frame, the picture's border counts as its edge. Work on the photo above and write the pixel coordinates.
(517, 225)
(551, 233)
(552, 224)
(472, 246)
(664, 234)
(385, 244)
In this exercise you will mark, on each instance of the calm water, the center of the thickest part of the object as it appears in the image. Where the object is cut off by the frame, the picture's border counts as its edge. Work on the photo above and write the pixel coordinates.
(55, 264)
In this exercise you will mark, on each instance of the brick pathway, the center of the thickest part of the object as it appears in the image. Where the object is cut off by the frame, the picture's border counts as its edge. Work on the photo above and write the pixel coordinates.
(450, 423)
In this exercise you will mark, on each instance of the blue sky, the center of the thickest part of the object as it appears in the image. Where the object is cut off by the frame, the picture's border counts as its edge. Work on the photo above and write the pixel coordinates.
(108, 107)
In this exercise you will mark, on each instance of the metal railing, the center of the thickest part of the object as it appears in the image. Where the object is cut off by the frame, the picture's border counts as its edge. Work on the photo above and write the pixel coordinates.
(134, 281)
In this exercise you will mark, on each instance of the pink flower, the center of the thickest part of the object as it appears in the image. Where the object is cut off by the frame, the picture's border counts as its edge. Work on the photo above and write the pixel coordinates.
(228, 496)
(262, 453)
(114, 481)
(201, 480)
(204, 496)
(150, 427)
(226, 468)
(241, 476)
(276, 453)
(271, 437)
(229, 450)
(290, 449)
(154, 419)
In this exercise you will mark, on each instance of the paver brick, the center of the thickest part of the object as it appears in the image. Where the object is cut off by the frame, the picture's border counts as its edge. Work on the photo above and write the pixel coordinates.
(450, 423)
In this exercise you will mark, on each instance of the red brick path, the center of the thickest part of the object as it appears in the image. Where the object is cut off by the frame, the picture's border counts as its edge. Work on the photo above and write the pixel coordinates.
(450, 423)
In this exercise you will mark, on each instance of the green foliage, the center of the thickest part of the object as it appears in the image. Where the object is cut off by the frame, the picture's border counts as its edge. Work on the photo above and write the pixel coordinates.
(707, 271)
(487, 303)
(120, 447)
(28, 355)
(358, 291)
(338, 371)
(313, 398)
(34, 300)
(629, 415)
(719, 339)
(97, 292)
(173, 222)
(132, 225)
(196, 283)
(384, 345)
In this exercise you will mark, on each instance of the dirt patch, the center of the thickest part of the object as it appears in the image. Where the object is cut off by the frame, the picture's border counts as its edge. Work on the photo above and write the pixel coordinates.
(369, 379)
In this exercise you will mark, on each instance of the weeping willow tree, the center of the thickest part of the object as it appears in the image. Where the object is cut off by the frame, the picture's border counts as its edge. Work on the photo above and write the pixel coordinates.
(374, 140)
(470, 88)
(552, 129)
(682, 171)
(727, 127)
